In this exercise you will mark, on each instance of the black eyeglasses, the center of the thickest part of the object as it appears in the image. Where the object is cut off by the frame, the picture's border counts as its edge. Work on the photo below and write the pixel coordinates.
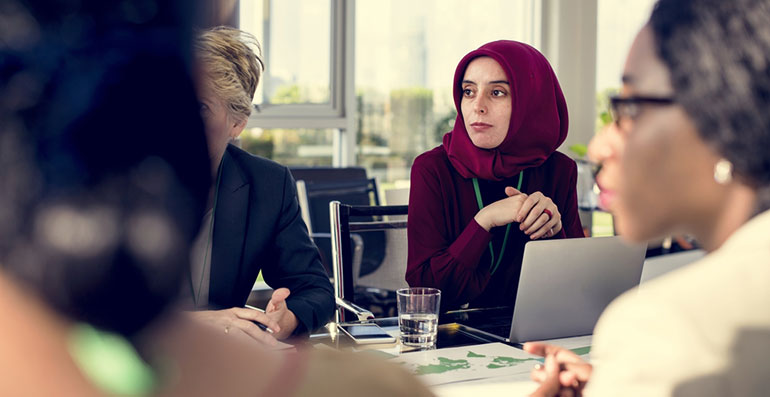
(629, 107)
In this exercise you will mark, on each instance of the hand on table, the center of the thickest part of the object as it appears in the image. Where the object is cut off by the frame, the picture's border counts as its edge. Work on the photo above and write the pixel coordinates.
(564, 373)
(237, 321)
(277, 310)
(240, 321)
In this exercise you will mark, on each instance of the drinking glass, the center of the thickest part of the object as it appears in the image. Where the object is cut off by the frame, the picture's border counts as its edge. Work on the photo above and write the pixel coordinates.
(418, 310)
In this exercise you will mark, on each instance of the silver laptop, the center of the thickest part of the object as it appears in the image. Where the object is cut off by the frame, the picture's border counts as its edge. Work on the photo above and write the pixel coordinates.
(566, 284)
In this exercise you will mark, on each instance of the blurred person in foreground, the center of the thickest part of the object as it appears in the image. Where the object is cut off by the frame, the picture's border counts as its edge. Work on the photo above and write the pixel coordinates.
(104, 177)
(689, 151)
(252, 221)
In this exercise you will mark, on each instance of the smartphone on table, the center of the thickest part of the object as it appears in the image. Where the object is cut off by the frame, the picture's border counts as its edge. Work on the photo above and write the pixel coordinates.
(365, 333)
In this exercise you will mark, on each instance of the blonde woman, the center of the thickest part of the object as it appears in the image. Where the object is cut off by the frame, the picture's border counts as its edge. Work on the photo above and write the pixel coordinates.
(253, 221)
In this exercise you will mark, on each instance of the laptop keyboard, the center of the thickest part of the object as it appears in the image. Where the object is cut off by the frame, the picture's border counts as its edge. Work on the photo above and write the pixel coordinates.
(495, 320)
(502, 330)
(498, 325)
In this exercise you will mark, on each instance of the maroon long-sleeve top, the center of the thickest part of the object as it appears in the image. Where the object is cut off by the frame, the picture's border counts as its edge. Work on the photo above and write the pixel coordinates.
(450, 251)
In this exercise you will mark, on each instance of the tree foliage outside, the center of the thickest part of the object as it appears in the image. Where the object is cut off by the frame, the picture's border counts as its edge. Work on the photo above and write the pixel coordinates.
(603, 116)
(300, 146)
(444, 124)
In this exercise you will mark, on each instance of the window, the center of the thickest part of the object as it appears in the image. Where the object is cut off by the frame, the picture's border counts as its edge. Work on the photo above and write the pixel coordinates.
(299, 95)
(296, 41)
(291, 147)
(406, 52)
(372, 78)
(618, 22)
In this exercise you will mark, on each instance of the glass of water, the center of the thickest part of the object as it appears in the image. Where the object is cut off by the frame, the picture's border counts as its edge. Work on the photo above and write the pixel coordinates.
(418, 310)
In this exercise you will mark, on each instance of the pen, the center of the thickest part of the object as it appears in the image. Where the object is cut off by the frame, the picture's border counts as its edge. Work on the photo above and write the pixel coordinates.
(261, 326)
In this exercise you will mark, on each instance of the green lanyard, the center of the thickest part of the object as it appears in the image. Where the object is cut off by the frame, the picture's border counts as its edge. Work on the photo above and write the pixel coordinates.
(493, 265)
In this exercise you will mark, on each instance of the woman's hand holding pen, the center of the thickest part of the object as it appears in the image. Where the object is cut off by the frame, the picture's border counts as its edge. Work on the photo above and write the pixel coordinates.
(241, 322)
(263, 326)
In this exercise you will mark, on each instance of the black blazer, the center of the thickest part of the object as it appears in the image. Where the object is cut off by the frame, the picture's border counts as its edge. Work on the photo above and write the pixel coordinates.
(258, 226)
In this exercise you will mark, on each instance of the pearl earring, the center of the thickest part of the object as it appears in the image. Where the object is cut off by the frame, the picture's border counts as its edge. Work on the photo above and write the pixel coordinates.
(723, 171)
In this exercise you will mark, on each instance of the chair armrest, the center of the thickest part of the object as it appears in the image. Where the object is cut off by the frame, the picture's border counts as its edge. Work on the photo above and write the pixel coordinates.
(360, 312)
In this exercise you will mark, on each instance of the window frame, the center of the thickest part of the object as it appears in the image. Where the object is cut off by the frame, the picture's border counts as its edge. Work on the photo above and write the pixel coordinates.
(564, 31)
(310, 115)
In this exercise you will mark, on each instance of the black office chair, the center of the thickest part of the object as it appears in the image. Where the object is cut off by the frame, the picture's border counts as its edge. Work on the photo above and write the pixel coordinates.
(348, 186)
(373, 292)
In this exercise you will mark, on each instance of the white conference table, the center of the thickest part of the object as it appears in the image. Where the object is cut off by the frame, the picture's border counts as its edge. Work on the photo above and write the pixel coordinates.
(472, 379)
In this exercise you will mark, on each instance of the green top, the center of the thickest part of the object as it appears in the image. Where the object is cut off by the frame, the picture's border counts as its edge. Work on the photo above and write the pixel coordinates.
(110, 362)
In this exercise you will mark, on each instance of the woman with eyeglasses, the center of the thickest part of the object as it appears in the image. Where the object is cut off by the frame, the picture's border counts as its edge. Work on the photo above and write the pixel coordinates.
(690, 151)
(495, 183)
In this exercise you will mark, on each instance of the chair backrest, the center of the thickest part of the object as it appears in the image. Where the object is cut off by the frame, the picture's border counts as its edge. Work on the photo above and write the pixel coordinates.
(323, 182)
(327, 174)
(318, 186)
(657, 266)
(347, 221)
(315, 196)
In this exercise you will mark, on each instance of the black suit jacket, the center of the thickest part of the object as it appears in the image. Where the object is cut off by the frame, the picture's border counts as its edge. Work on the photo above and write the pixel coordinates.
(258, 226)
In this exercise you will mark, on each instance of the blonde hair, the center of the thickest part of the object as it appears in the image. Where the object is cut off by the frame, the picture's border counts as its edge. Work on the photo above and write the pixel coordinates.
(232, 61)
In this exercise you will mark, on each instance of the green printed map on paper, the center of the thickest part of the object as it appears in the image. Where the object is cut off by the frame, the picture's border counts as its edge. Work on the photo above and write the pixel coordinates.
(502, 362)
(580, 351)
(470, 362)
(444, 365)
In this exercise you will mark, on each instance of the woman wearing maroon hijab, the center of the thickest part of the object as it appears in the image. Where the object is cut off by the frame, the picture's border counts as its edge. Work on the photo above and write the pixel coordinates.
(495, 183)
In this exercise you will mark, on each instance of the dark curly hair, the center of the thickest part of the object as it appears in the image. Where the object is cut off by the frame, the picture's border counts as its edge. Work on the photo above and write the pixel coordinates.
(718, 53)
(104, 170)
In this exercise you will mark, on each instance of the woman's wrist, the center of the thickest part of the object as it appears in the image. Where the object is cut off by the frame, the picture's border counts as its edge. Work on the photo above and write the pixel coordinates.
(481, 219)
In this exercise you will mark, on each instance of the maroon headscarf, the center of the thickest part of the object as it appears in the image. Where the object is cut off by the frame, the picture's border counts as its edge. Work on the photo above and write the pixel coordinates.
(538, 122)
